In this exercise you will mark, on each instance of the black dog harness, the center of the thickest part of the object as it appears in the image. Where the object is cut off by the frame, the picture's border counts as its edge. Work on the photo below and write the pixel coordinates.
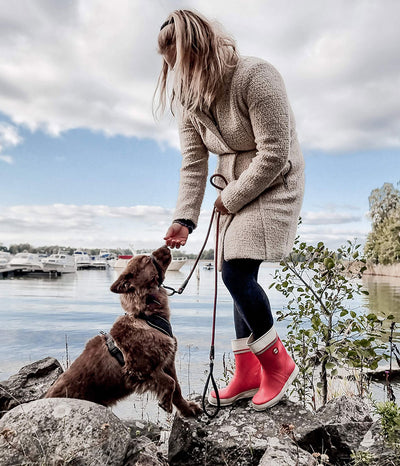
(158, 323)
(113, 348)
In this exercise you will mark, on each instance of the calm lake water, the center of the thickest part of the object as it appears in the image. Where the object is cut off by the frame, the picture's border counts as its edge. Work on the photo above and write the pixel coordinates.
(39, 314)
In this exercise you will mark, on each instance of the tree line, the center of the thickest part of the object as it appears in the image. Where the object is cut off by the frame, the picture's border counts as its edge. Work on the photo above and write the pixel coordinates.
(383, 242)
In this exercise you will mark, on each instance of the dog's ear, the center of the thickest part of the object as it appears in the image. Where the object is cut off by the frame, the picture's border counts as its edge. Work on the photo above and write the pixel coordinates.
(123, 284)
(133, 276)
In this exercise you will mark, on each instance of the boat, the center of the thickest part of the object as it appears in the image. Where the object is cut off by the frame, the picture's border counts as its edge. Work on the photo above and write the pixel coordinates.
(59, 263)
(5, 258)
(27, 262)
(121, 262)
(208, 266)
(103, 260)
(82, 259)
(174, 266)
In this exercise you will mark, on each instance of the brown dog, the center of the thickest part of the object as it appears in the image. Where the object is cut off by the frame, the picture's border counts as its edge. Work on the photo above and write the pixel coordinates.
(139, 353)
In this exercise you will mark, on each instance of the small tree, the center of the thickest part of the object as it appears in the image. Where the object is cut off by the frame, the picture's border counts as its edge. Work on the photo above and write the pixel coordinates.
(324, 329)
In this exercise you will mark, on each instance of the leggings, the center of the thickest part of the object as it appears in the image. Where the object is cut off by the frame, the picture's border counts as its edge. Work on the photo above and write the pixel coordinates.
(251, 308)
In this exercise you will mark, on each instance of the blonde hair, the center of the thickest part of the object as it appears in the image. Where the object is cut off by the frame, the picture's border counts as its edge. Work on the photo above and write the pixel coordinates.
(203, 54)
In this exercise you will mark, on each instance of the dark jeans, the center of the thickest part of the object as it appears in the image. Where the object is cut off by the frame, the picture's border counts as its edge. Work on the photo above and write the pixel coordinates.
(251, 308)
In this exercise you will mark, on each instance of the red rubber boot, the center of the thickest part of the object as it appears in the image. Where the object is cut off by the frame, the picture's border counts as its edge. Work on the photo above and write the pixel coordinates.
(246, 379)
(278, 369)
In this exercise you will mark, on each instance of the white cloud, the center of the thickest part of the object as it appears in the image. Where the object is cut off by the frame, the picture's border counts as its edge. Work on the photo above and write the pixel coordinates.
(143, 226)
(329, 217)
(7, 159)
(93, 64)
(92, 226)
(9, 137)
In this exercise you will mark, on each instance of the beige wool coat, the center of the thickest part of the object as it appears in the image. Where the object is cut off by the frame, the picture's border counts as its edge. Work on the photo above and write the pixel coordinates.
(252, 129)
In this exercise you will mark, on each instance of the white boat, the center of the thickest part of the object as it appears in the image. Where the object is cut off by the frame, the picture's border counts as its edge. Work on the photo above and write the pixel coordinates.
(60, 263)
(174, 266)
(121, 262)
(27, 262)
(103, 260)
(82, 259)
(208, 266)
(5, 258)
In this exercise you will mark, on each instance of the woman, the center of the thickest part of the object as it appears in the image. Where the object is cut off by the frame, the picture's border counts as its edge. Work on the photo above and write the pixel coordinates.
(236, 107)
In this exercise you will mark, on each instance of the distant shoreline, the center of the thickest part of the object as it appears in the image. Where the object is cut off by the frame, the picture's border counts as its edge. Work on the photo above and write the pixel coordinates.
(392, 270)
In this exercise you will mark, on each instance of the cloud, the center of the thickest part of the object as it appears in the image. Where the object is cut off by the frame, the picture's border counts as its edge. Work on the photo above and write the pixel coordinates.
(92, 226)
(93, 64)
(9, 137)
(7, 159)
(329, 217)
(96, 226)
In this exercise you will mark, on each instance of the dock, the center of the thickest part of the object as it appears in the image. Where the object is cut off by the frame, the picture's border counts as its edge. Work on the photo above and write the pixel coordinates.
(8, 272)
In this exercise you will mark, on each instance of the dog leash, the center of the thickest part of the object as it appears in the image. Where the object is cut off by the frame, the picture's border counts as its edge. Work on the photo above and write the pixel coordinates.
(172, 291)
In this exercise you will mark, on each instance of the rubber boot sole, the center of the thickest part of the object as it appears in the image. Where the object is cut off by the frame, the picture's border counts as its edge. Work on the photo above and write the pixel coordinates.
(229, 401)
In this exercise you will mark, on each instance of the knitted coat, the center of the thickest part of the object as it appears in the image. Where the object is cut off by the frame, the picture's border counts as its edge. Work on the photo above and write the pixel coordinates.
(252, 130)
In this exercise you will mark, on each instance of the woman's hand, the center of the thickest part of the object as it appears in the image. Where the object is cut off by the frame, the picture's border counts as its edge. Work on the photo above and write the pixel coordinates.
(176, 236)
(218, 204)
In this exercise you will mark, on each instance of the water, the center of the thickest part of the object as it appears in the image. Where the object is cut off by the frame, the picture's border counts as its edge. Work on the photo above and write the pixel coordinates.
(39, 315)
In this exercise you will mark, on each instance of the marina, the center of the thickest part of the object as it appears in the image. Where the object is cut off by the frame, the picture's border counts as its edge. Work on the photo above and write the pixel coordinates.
(44, 316)
(57, 264)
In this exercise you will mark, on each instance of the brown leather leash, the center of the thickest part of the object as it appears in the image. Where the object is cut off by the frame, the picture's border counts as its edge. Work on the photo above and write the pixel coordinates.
(172, 291)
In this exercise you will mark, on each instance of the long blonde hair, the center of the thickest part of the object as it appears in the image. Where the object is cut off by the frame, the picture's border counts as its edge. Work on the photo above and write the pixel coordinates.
(203, 54)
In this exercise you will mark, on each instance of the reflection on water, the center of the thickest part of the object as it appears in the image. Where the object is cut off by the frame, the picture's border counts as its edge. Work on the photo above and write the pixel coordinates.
(384, 298)
(38, 315)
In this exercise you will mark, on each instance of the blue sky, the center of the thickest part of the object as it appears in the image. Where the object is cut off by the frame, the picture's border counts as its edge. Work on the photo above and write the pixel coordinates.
(83, 163)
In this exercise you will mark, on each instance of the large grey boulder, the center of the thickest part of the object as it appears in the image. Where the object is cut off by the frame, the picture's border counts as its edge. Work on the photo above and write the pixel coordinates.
(55, 431)
(286, 434)
(30, 383)
(238, 435)
(346, 421)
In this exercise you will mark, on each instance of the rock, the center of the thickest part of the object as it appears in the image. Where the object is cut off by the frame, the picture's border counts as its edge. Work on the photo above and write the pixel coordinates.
(143, 452)
(286, 434)
(346, 421)
(56, 431)
(381, 452)
(31, 383)
(237, 435)
(282, 452)
(147, 429)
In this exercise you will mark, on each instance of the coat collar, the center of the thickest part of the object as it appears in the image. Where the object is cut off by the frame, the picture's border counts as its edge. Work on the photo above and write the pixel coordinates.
(210, 125)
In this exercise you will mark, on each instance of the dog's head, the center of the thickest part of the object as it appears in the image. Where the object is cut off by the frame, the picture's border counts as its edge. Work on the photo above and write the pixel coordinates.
(143, 272)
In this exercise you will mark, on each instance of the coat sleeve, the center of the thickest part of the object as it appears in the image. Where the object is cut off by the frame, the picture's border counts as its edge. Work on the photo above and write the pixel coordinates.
(193, 173)
(264, 95)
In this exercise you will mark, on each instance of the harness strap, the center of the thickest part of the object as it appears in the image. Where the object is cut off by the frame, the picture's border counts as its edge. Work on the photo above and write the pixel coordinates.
(113, 348)
(158, 323)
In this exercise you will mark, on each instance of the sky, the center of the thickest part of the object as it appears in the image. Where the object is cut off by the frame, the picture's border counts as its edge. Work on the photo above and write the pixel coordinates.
(84, 164)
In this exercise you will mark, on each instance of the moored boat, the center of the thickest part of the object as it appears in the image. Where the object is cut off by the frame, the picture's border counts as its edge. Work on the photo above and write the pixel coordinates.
(27, 262)
(82, 259)
(59, 263)
(5, 258)
(174, 266)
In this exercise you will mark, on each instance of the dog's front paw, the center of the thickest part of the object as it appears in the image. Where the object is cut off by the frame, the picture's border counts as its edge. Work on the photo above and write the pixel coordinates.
(192, 409)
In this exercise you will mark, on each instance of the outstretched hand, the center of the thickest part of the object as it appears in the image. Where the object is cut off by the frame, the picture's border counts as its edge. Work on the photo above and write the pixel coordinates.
(176, 236)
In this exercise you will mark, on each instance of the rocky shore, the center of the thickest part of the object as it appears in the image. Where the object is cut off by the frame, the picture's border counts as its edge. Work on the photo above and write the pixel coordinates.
(36, 431)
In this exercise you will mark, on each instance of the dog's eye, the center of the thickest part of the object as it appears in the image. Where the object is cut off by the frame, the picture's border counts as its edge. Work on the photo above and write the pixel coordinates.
(128, 276)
